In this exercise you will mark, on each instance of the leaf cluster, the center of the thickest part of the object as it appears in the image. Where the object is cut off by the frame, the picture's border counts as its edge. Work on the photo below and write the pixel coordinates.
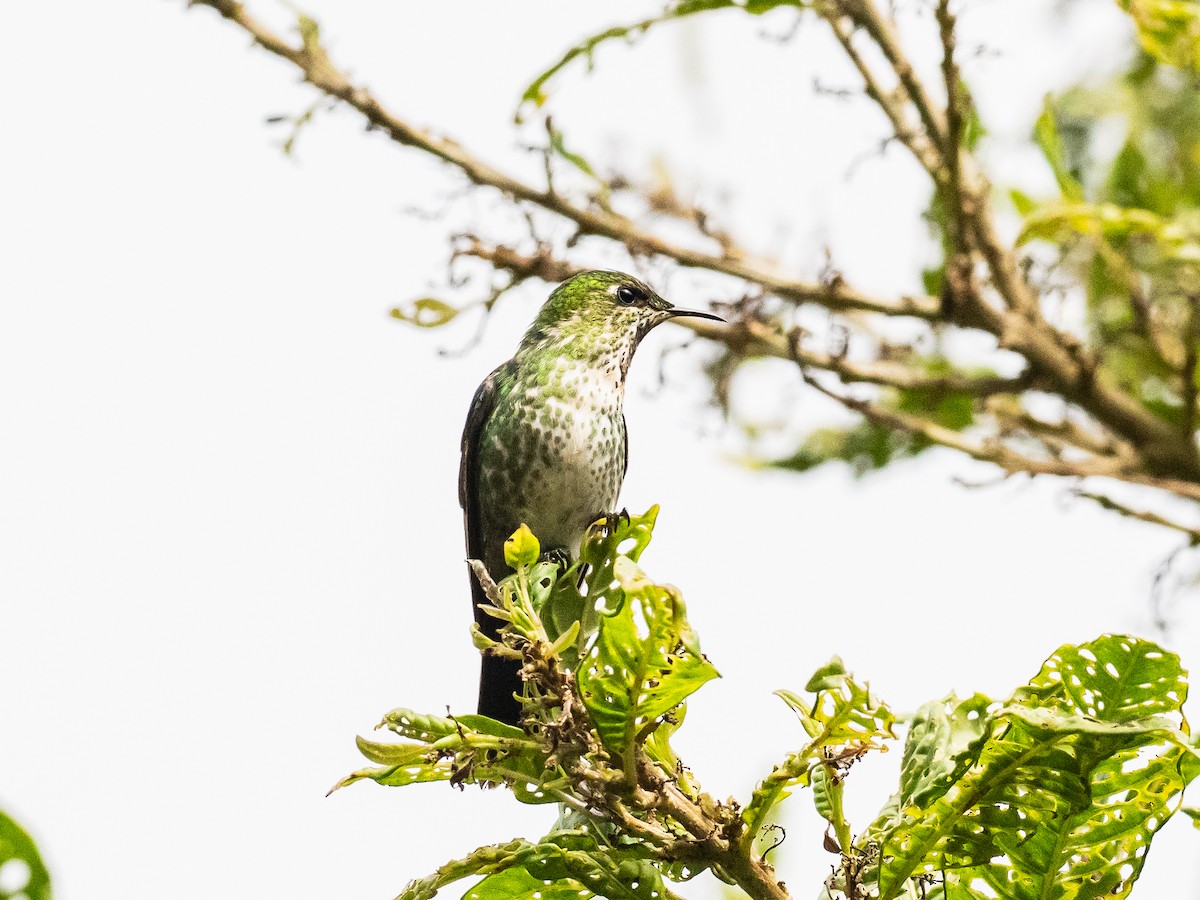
(1056, 790)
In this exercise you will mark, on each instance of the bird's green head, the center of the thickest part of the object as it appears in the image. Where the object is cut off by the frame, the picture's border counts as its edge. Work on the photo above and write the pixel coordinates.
(602, 313)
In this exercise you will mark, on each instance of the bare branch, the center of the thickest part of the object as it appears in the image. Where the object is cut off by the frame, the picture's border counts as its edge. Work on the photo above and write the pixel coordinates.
(1062, 433)
(1056, 359)
(1005, 307)
(959, 265)
(751, 338)
(993, 452)
(1189, 369)
(1140, 515)
(317, 69)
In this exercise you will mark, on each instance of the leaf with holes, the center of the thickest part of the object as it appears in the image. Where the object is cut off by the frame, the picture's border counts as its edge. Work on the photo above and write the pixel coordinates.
(26, 876)
(571, 864)
(1115, 678)
(938, 733)
(842, 714)
(644, 661)
(588, 587)
(1063, 789)
(843, 711)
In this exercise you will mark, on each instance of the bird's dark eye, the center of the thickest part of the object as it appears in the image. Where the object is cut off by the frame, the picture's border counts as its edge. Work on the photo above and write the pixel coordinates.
(627, 296)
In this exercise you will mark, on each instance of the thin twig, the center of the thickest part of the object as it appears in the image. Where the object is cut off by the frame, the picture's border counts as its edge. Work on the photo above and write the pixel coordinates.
(993, 452)
(317, 69)
(1141, 515)
(1189, 373)
(1055, 359)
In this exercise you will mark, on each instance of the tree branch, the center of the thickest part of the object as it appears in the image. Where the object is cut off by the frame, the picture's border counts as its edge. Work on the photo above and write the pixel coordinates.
(752, 338)
(1056, 361)
(1140, 515)
(318, 71)
(993, 452)
(1055, 358)
(719, 839)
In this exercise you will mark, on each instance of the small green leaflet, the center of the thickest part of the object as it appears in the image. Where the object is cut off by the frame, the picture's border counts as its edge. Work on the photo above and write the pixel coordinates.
(425, 312)
(842, 714)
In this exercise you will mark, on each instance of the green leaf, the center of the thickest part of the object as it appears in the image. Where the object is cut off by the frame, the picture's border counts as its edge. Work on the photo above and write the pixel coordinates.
(558, 145)
(1193, 813)
(565, 605)
(1130, 178)
(1022, 202)
(843, 712)
(829, 677)
(644, 662)
(522, 548)
(1115, 678)
(658, 748)
(463, 749)
(310, 33)
(1063, 788)
(973, 129)
(822, 783)
(937, 734)
(927, 761)
(1046, 136)
(865, 446)
(1169, 30)
(517, 884)
(426, 312)
(573, 866)
(483, 860)
(19, 855)
(868, 446)
(843, 715)
(418, 726)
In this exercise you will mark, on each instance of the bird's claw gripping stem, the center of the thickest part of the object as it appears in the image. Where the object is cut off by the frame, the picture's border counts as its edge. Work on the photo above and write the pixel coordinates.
(608, 523)
(560, 556)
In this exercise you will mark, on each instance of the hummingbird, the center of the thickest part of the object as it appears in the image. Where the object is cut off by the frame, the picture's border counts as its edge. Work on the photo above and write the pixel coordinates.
(545, 442)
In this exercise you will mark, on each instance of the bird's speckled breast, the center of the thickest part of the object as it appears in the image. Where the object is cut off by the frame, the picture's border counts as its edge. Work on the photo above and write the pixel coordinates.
(552, 453)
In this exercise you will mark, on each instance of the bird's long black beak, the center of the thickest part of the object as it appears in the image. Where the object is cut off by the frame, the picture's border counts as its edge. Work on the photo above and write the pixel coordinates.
(693, 313)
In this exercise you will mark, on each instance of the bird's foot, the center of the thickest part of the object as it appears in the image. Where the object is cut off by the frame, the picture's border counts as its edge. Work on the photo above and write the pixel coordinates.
(557, 555)
(608, 523)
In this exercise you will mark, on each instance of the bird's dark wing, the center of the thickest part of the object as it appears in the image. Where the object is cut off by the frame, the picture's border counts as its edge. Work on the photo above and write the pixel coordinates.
(498, 679)
(481, 408)
(625, 436)
(482, 405)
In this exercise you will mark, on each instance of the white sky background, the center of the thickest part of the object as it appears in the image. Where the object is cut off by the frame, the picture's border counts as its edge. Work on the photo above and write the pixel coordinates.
(229, 530)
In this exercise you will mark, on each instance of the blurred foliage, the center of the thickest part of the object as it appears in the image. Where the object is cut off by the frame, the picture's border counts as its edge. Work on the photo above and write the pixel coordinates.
(1169, 30)
(1127, 225)
(23, 875)
(1125, 228)
(1056, 791)
(868, 445)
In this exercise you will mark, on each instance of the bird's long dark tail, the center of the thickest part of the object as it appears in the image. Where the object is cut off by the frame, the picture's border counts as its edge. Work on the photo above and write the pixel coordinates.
(499, 683)
(499, 686)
